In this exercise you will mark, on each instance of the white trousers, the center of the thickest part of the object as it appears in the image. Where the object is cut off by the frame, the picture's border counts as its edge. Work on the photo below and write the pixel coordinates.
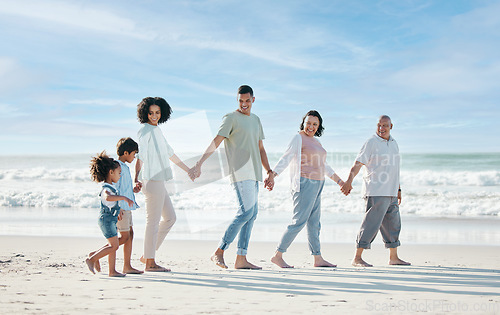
(158, 206)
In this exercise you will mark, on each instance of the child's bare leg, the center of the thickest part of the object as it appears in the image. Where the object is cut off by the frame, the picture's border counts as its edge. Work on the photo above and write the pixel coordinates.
(96, 265)
(100, 253)
(127, 253)
(114, 243)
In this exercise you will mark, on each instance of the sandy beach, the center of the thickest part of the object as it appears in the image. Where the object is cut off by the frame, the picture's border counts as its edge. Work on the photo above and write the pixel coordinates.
(48, 275)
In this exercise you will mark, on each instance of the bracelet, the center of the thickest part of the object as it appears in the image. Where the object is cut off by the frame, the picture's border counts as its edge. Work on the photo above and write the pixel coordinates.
(399, 189)
(270, 171)
(338, 182)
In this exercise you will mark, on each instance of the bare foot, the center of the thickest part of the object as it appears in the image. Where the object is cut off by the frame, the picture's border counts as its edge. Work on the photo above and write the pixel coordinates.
(133, 271)
(242, 263)
(116, 274)
(157, 268)
(219, 260)
(97, 265)
(320, 262)
(399, 262)
(358, 262)
(90, 264)
(280, 262)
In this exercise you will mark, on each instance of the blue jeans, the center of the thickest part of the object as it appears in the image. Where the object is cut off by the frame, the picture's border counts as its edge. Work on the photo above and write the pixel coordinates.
(247, 193)
(306, 209)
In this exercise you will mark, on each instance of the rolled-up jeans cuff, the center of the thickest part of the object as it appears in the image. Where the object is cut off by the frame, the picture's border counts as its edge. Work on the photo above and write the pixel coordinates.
(241, 252)
(281, 250)
(392, 245)
(223, 245)
(365, 246)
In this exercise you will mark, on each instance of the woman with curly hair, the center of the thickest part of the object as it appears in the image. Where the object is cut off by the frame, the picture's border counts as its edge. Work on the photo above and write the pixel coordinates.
(152, 171)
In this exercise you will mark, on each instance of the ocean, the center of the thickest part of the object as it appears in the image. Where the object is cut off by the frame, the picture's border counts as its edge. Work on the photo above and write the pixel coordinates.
(453, 198)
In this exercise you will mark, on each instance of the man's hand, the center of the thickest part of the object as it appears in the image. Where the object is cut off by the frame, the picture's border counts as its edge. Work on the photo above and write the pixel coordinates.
(269, 181)
(346, 188)
(195, 171)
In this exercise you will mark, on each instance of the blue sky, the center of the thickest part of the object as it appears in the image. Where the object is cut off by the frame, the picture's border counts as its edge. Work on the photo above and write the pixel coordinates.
(72, 72)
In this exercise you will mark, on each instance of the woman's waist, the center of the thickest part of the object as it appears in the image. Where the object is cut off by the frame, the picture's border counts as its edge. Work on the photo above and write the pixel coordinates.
(312, 172)
(303, 178)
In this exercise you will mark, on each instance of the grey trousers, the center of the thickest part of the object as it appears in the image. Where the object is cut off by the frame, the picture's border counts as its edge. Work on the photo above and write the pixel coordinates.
(382, 213)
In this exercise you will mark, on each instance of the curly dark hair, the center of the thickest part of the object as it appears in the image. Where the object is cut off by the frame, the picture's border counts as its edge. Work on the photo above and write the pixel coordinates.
(314, 113)
(100, 166)
(143, 109)
(126, 145)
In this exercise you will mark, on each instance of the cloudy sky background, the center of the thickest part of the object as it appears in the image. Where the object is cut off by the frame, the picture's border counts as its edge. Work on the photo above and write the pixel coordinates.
(72, 72)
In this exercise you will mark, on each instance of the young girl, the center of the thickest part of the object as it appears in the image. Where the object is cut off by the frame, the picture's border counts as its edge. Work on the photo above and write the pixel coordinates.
(105, 170)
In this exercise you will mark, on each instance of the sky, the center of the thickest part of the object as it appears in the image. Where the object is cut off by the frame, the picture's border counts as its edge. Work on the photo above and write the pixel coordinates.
(73, 72)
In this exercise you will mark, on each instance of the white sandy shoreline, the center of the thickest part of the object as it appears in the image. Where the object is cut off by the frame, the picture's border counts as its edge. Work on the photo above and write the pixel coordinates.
(48, 275)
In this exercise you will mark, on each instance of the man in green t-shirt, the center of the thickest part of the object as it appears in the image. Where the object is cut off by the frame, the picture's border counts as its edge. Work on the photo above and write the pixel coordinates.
(242, 134)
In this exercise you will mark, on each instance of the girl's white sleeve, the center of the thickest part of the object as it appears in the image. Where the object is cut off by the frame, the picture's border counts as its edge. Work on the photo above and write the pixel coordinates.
(104, 195)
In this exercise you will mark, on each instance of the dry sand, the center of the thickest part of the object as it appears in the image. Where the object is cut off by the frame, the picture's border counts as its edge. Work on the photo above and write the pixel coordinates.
(47, 275)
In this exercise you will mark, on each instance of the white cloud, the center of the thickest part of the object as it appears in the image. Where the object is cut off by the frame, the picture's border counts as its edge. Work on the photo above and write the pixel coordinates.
(14, 77)
(73, 15)
(104, 102)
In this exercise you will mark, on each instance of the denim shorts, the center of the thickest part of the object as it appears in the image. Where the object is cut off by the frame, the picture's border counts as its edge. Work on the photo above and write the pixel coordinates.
(107, 223)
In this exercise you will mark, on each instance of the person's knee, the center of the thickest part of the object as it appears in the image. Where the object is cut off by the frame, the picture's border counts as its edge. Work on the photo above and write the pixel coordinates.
(113, 245)
(124, 237)
(246, 215)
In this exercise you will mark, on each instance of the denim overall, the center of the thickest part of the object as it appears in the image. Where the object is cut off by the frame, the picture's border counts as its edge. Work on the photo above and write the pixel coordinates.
(109, 216)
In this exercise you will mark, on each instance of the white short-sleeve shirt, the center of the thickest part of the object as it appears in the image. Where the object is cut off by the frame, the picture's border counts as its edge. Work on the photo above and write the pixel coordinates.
(382, 163)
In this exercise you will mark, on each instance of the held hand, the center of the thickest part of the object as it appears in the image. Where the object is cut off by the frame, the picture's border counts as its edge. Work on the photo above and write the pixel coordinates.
(346, 188)
(269, 182)
(192, 173)
(197, 170)
(137, 187)
(120, 215)
(399, 197)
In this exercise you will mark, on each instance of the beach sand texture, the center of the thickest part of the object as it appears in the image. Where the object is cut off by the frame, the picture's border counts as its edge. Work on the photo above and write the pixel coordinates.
(47, 275)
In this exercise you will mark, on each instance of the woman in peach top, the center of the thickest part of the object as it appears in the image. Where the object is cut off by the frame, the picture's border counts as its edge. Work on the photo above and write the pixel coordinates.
(307, 159)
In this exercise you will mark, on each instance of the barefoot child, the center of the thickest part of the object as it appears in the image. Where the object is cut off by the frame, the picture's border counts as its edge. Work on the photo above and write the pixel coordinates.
(105, 170)
(126, 150)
